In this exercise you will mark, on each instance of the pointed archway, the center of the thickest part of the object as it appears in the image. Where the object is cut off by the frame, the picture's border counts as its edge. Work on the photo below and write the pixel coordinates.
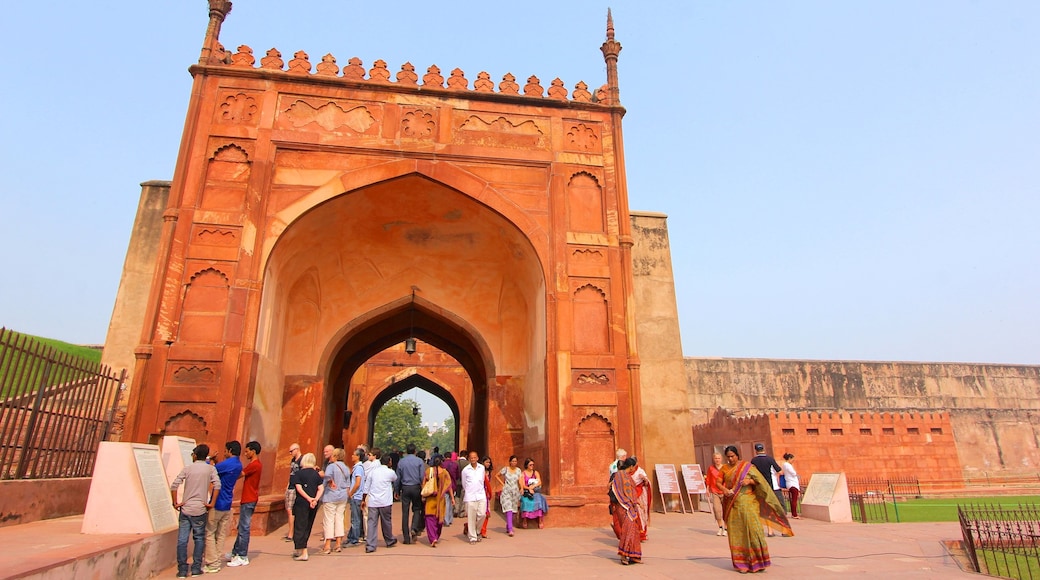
(409, 383)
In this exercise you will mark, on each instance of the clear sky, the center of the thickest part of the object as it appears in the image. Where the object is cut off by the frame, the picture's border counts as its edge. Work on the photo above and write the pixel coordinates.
(843, 180)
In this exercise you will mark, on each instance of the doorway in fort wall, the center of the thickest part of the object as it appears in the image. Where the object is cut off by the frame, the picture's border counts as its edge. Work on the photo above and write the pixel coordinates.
(351, 278)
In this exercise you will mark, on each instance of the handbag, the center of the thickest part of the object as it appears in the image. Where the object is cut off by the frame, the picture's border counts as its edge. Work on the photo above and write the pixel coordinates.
(430, 487)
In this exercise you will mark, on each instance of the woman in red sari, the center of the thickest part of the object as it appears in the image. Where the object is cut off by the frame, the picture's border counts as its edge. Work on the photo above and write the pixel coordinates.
(749, 502)
(626, 513)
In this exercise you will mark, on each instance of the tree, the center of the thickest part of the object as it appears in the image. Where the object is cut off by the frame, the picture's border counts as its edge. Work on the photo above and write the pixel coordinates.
(445, 436)
(396, 426)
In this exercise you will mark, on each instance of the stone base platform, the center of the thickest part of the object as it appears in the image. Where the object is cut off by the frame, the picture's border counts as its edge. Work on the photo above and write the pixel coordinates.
(56, 550)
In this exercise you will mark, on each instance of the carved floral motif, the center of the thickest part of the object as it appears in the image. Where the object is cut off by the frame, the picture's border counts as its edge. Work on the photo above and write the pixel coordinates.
(238, 108)
(582, 137)
(418, 124)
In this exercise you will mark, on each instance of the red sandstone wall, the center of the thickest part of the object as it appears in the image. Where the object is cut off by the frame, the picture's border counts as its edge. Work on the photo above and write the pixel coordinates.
(863, 445)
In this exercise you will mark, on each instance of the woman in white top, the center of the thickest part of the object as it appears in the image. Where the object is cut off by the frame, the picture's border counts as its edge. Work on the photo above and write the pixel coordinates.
(791, 480)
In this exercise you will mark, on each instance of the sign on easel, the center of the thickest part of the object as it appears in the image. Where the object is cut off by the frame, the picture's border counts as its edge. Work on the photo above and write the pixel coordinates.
(694, 480)
(668, 482)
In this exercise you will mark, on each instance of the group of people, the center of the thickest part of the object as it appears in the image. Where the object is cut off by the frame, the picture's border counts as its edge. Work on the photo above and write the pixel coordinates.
(431, 492)
(204, 506)
(747, 500)
(748, 503)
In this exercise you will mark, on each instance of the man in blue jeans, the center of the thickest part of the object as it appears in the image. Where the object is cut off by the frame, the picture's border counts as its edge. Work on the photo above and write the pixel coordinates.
(356, 494)
(250, 495)
(201, 485)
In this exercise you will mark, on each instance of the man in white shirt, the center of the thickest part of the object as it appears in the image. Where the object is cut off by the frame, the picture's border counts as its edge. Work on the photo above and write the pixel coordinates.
(379, 497)
(472, 477)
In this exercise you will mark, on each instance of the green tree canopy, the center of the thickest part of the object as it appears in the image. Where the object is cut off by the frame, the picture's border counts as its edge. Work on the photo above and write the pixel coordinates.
(444, 438)
(396, 426)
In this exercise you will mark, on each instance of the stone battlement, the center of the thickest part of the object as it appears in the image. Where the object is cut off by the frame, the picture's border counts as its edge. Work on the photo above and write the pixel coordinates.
(379, 73)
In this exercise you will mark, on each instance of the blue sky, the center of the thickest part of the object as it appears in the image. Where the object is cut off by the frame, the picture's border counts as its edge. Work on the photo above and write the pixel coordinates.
(843, 180)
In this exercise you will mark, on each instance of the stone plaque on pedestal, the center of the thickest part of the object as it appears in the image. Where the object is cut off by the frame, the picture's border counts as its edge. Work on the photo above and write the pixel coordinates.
(129, 491)
(827, 498)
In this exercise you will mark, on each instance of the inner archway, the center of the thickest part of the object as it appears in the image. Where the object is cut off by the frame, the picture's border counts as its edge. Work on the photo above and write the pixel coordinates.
(404, 258)
(406, 388)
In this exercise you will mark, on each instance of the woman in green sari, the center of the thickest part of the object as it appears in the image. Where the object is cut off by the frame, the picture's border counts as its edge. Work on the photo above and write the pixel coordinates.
(748, 503)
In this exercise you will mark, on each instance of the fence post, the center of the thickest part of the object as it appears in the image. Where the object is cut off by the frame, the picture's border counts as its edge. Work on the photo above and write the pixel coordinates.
(895, 502)
(23, 461)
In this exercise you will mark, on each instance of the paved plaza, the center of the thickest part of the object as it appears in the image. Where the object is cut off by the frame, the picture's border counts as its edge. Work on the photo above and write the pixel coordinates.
(680, 546)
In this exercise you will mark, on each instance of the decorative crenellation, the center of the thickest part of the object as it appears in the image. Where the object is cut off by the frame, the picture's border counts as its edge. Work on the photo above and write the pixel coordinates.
(354, 71)
(722, 417)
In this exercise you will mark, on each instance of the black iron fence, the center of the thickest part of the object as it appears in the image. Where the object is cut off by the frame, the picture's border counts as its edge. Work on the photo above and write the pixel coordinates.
(54, 409)
(899, 486)
(1002, 540)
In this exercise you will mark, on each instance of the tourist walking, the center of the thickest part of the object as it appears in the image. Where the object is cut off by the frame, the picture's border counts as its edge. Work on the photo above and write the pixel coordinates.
(793, 485)
(247, 505)
(770, 470)
(749, 503)
(509, 479)
(309, 489)
(334, 501)
(626, 513)
(620, 456)
(711, 480)
(532, 503)
(436, 507)
(379, 496)
(201, 487)
(410, 471)
(474, 496)
(451, 465)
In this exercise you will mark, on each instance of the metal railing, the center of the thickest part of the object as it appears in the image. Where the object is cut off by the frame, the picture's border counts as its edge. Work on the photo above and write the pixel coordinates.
(1002, 540)
(54, 409)
(901, 486)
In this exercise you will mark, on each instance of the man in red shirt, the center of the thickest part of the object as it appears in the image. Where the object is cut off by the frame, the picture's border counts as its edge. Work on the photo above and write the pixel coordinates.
(712, 480)
(250, 495)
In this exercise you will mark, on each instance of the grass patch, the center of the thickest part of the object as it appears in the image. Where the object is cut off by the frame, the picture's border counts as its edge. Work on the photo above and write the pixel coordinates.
(18, 366)
(944, 509)
(1008, 565)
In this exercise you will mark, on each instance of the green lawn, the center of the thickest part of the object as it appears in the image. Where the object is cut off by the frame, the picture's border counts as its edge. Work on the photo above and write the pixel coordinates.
(10, 370)
(1008, 565)
(945, 509)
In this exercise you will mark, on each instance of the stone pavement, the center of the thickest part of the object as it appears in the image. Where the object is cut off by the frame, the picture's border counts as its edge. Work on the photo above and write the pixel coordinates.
(680, 546)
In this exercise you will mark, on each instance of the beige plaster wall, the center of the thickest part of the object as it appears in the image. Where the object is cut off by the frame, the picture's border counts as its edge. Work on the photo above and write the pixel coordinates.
(124, 329)
(664, 396)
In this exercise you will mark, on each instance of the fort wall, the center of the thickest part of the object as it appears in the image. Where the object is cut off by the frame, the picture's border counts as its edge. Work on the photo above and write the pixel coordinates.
(992, 411)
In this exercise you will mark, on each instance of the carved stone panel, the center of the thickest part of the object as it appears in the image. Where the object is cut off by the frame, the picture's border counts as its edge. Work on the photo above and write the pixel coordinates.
(335, 116)
(591, 317)
(496, 130)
